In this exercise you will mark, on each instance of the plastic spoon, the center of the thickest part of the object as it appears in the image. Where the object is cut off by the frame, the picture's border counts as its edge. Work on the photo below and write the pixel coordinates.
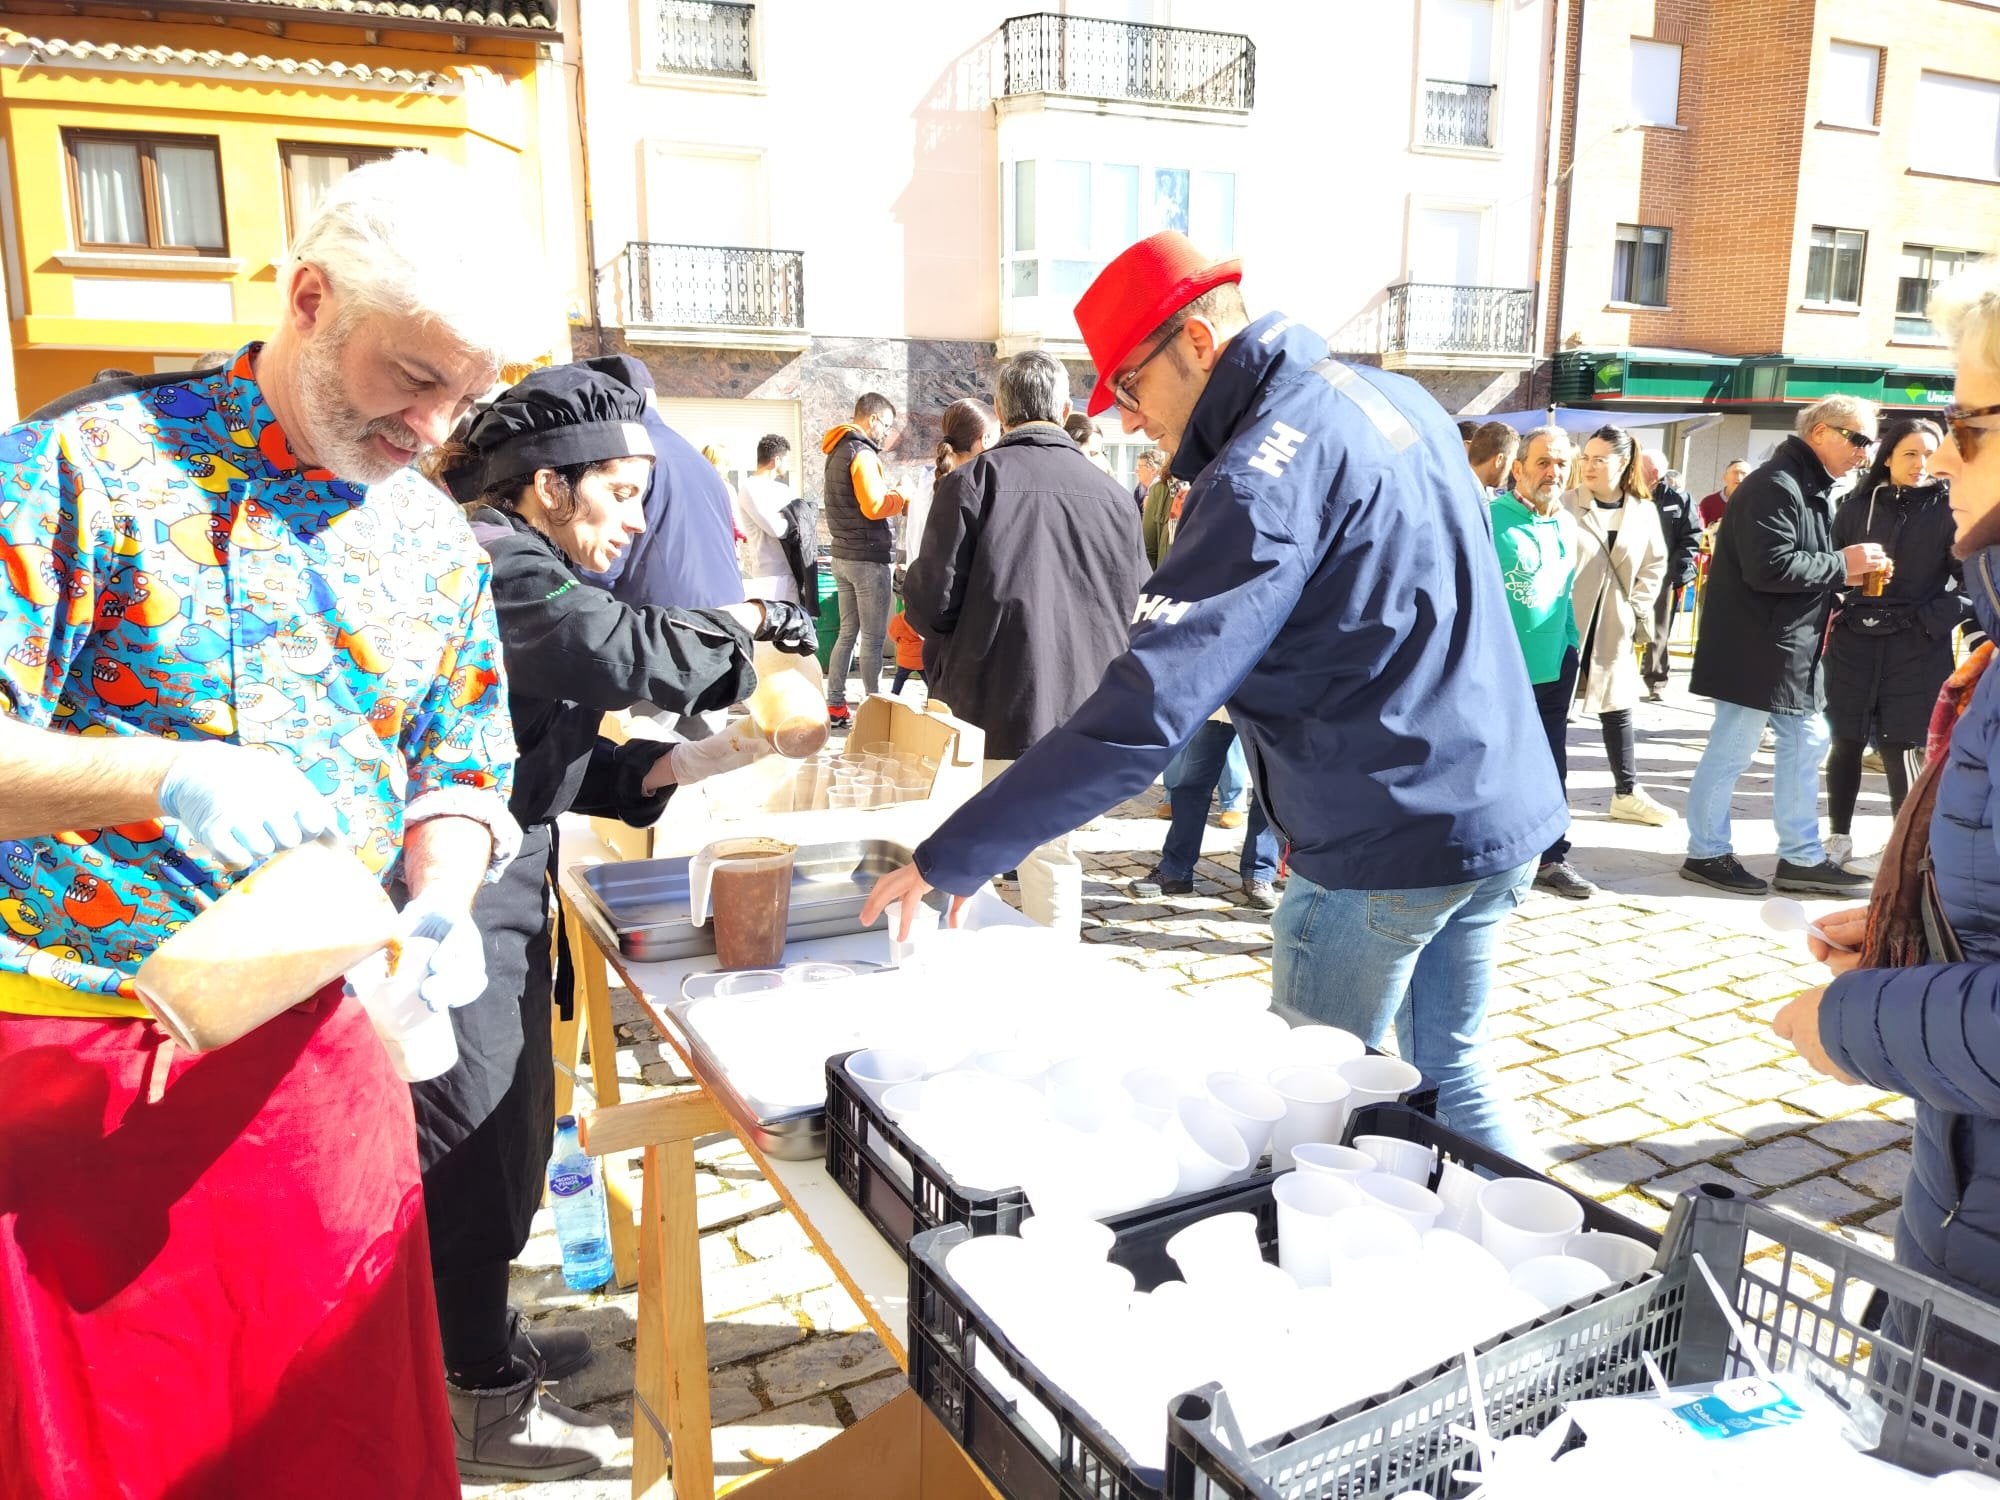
(1782, 914)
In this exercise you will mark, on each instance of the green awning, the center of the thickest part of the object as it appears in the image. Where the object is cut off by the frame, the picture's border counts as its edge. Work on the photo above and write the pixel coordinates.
(1613, 377)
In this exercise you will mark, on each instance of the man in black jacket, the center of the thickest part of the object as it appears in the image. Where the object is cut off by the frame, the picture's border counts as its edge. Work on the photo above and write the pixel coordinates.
(1023, 592)
(1770, 586)
(1683, 533)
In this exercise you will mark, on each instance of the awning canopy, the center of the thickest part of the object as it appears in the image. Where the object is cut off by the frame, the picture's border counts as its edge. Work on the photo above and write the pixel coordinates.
(1603, 378)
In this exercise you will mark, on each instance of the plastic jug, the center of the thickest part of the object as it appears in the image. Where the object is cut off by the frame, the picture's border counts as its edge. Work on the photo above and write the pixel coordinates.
(789, 704)
(278, 936)
(750, 884)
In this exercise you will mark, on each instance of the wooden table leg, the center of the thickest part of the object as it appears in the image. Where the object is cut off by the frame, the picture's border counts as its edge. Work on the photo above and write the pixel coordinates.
(593, 1005)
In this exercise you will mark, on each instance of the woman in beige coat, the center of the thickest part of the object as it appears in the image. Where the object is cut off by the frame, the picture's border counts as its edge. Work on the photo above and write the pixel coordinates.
(1620, 565)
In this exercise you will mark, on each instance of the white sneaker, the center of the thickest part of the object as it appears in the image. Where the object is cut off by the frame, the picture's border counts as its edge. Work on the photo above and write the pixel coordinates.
(1636, 806)
(1866, 864)
(1839, 848)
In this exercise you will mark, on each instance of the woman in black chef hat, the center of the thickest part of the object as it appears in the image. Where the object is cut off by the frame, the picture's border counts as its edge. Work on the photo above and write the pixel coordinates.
(554, 473)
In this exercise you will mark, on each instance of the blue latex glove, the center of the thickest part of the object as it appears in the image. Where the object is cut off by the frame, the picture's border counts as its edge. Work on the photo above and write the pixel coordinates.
(445, 941)
(242, 803)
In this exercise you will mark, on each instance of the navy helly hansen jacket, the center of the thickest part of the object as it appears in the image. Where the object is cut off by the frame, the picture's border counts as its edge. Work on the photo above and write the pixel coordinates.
(1334, 583)
(1933, 1031)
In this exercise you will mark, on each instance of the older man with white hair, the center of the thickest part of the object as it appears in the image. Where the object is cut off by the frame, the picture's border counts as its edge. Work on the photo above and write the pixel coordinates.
(1770, 586)
(237, 622)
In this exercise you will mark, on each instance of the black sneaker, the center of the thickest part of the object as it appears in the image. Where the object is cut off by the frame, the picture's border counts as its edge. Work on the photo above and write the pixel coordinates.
(1823, 879)
(1260, 894)
(1560, 876)
(1725, 874)
(1155, 884)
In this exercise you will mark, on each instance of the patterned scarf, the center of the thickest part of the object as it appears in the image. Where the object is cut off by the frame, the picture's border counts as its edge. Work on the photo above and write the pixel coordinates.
(1896, 937)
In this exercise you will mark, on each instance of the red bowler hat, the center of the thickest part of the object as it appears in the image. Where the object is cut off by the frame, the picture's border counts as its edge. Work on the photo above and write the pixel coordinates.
(1135, 294)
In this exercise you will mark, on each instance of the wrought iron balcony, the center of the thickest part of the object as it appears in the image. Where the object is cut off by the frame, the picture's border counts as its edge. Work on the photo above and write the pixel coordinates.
(1091, 58)
(1458, 114)
(1425, 318)
(710, 38)
(713, 286)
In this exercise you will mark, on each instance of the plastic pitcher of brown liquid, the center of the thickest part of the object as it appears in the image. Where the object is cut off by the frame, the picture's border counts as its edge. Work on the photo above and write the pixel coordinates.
(748, 885)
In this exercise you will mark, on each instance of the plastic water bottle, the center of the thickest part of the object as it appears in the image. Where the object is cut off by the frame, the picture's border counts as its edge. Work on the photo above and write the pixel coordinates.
(577, 1197)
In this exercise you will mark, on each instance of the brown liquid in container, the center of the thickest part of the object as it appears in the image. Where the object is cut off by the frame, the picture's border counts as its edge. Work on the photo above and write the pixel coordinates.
(751, 905)
(1874, 581)
(795, 739)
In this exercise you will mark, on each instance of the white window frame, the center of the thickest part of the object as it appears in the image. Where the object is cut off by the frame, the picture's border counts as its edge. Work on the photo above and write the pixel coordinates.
(1838, 232)
(1644, 46)
(1044, 252)
(1828, 115)
(657, 147)
(1919, 135)
(1667, 270)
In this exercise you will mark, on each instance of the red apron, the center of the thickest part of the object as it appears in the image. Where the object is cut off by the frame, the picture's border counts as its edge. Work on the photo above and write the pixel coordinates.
(223, 1292)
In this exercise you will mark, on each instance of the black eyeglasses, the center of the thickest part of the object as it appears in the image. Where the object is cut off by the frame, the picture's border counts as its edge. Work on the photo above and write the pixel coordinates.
(1859, 440)
(1121, 388)
(1967, 430)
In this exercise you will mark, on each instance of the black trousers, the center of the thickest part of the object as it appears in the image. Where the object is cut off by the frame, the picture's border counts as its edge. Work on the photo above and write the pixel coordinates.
(1620, 748)
(1843, 778)
(1668, 605)
(486, 1128)
(1552, 700)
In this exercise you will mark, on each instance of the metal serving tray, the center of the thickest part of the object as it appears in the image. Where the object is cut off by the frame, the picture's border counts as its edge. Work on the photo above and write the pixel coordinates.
(646, 901)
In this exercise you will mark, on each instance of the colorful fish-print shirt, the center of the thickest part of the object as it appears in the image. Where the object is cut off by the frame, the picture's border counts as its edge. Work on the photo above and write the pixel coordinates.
(171, 569)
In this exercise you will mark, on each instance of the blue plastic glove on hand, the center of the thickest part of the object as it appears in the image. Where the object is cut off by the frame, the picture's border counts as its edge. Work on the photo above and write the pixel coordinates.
(445, 941)
(244, 804)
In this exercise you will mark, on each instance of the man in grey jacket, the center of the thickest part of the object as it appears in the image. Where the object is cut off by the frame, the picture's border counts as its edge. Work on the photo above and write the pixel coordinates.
(1024, 590)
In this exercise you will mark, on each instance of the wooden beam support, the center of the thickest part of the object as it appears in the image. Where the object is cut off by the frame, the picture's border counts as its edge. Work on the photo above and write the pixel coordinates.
(660, 1121)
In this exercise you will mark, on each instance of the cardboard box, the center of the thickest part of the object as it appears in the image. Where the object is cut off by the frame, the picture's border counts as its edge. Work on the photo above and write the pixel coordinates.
(738, 801)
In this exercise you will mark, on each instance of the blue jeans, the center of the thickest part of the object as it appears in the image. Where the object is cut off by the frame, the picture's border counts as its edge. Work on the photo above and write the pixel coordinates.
(1422, 959)
(1230, 787)
(1203, 762)
(1732, 745)
(864, 589)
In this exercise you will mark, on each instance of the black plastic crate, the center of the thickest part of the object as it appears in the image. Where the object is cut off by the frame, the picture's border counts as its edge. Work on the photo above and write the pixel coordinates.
(1089, 1464)
(933, 1198)
(1934, 1369)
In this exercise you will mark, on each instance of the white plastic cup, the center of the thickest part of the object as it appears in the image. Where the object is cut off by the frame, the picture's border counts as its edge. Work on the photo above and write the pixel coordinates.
(1557, 1280)
(1087, 1104)
(420, 1043)
(878, 1069)
(1329, 1160)
(1315, 1109)
(1521, 1218)
(1253, 1108)
(1068, 1240)
(1371, 1230)
(1410, 1160)
(1155, 1094)
(1418, 1205)
(1307, 1203)
(1216, 1251)
(1378, 1080)
(1206, 1144)
(1323, 1046)
(1020, 1064)
(1458, 1189)
(1618, 1256)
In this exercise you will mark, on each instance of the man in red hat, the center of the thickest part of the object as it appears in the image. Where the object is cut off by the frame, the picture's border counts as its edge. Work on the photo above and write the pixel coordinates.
(1334, 585)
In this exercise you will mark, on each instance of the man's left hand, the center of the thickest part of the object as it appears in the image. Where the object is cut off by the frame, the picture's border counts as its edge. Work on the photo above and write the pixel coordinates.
(455, 969)
(907, 887)
(1798, 1023)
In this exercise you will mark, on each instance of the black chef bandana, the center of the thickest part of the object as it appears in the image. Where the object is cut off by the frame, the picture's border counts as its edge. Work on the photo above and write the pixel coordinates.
(564, 415)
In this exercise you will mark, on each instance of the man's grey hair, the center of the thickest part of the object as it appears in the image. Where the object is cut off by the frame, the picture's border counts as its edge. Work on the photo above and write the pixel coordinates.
(414, 237)
(1836, 411)
(1033, 386)
(1656, 458)
(1550, 435)
(1157, 457)
(1966, 310)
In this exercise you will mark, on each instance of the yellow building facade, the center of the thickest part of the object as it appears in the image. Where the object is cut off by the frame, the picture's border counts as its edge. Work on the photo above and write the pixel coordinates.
(153, 163)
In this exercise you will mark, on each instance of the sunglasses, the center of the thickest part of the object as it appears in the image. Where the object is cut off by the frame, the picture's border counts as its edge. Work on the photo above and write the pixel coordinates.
(1121, 387)
(1859, 440)
(1967, 430)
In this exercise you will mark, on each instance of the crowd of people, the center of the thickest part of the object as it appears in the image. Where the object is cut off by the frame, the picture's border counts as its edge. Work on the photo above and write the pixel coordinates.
(276, 1267)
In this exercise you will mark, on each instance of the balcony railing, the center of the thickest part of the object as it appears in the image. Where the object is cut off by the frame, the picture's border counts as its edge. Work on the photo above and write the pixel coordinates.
(1429, 318)
(710, 38)
(713, 286)
(1083, 56)
(1458, 114)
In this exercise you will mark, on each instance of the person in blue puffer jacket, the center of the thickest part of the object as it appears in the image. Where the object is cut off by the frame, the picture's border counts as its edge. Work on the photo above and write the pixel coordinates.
(1932, 1031)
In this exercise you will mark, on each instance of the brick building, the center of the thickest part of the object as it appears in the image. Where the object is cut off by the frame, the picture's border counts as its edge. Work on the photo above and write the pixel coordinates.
(1752, 199)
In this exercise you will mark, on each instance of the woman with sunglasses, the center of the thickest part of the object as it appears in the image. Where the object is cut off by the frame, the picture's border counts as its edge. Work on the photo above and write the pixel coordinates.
(1890, 649)
(1915, 1010)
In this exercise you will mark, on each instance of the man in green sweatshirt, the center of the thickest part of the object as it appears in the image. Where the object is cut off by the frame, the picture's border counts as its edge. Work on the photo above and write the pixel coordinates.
(1537, 543)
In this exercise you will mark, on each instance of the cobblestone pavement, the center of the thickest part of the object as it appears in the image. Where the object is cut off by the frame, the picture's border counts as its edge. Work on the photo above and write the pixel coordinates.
(1632, 1031)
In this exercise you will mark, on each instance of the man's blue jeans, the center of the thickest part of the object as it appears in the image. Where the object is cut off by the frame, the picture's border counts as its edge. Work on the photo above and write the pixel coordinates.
(1203, 762)
(864, 589)
(1422, 959)
(1732, 745)
(1230, 787)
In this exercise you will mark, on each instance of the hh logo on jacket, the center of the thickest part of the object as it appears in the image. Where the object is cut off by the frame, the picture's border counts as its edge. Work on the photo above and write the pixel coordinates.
(1159, 607)
(1280, 447)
